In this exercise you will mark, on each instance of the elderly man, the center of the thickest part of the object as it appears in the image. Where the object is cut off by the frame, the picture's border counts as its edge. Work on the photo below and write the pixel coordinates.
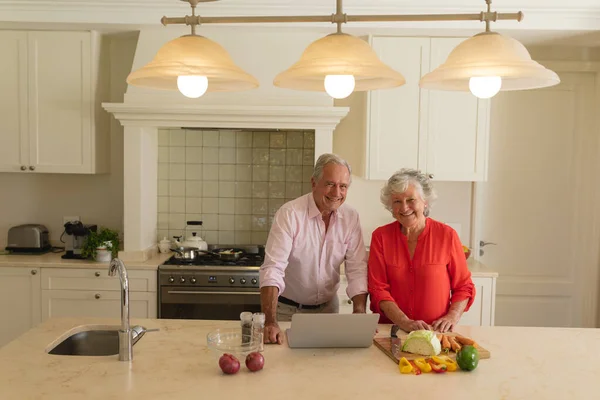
(310, 238)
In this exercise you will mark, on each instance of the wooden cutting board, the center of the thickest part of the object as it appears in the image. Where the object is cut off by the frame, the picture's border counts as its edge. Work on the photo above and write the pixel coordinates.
(385, 345)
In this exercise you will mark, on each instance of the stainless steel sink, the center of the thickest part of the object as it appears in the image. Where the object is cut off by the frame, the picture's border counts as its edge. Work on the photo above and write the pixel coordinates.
(94, 343)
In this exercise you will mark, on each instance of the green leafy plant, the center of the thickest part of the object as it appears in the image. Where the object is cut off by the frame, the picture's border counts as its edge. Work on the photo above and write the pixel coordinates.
(103, 237)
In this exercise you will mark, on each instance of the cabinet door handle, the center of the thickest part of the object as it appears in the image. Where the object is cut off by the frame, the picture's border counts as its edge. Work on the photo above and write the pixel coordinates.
(349, 301)
(430, 176)
(31, 168)
(97, 296)
(97, 273)
(34, 272)
(23, 168)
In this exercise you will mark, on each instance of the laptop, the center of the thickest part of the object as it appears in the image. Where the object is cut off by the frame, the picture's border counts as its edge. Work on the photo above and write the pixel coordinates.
(332, 330)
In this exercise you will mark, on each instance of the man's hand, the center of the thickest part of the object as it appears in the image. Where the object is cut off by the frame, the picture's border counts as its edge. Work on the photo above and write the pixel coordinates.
(446, 323)
(272, 333)
(359, 304)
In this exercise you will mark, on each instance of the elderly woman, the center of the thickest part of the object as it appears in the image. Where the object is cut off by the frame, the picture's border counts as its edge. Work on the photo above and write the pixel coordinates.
(418, 275)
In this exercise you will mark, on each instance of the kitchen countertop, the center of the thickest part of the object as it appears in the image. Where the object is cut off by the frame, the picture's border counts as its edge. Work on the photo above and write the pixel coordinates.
(54, 260)
(174, 363)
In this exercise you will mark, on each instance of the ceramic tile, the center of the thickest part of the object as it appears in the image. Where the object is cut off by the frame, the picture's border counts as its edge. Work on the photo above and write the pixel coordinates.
(176, 154)
(210, 155)
(176, 221)
(227, 172)
(274, 205)
(277, 157)
(211, 237)
(176, 171)
(226, 206)
(163, 154)
(163, 187)
(293, 157)
(227, 189)
(177, 188)
(293, 174)
(243, 139)
(210, 189)
(243, 156)
(307, 173)
(260, 190)
(293, 190)
(308, 157)
(226, 222)
(243, 222)
(276, 190)
(193, 172)
(163, 137)
(193, 205)
(177, 137)
(210, 138)
(176, 204)
(309, 139)
(260, 206)
(277, 140)
(210, 172)
(276, 173)
(163, 220)
(162, 234)
(226, 237)
(163, 171)
(210, 222)
(259, 237)
(260, 156)
(242, 237)
(193, 137)
(295, 139)
(243, 189)
(259, 223)
(260, 173)
(227, 155)
(193, 155)
(227, 138)
(243, 173)
(163, 204)
(243, 206)
(210, 205)
(261, 139)
(193, 188)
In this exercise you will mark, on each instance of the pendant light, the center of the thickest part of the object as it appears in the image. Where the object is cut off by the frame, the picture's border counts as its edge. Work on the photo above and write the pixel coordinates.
(339, 64)
(488, 63)
(193, 65)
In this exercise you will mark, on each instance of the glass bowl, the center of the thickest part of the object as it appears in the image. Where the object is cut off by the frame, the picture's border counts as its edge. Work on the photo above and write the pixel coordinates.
(231, 341)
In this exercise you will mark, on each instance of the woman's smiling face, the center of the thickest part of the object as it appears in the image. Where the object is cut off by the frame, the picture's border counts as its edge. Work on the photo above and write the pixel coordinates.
(408, 207)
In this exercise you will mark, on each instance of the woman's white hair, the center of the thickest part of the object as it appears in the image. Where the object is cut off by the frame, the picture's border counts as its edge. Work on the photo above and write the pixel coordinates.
(329, 158)
(399, 182)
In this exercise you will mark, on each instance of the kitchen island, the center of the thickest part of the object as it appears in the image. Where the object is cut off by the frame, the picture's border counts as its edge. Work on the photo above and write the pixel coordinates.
(175, 363)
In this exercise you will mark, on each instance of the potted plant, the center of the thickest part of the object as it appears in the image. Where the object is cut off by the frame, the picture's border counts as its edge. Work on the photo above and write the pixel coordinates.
(102, 245)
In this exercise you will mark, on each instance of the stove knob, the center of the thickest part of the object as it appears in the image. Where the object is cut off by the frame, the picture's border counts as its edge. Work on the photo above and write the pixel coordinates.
(231, 280)
(243, 280)
(171, 279)
(182, 279)
(254, 281)
(192, 280)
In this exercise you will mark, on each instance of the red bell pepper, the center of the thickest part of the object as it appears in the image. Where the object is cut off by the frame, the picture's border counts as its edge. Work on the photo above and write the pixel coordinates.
(437, 368)
(416, 369)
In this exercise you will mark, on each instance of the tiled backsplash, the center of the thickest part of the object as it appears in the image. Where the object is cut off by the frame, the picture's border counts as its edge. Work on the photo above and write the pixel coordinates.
(232, 180)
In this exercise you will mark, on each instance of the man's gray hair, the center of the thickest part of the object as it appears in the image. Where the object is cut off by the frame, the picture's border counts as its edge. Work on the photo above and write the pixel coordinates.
(329, 158)
(399, 182)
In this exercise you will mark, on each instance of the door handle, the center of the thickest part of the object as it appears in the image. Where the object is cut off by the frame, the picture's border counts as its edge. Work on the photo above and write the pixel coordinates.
(211, 293)
(483, 244)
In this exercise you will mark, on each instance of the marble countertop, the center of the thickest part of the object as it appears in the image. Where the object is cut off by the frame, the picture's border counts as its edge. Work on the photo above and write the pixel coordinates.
(54, 260)
(175, 363)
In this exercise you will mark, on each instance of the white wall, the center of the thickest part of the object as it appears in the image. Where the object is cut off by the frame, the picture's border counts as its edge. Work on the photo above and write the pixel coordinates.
(96, 199)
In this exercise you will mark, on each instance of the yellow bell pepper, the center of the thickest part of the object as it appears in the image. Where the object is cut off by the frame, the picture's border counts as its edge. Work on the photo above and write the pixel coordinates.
(451, 365)
(423, 365)
(404, 366)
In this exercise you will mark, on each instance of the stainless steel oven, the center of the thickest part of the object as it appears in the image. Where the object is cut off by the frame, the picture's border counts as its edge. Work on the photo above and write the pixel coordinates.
(212, 290)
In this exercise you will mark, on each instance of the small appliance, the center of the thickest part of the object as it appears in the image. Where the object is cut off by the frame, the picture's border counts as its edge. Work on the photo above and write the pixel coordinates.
(76, 233)
(28, 238)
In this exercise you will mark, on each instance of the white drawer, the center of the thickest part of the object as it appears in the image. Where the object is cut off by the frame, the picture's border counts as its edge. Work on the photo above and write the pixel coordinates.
(96, 279)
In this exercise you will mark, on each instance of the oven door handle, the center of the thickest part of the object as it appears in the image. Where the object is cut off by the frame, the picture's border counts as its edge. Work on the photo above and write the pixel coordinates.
(205, 292)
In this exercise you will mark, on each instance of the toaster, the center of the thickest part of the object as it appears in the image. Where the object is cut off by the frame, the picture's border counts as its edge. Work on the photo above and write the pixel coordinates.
(30, 238)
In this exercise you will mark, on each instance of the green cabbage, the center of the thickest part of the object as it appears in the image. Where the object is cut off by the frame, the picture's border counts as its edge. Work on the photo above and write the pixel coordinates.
(422, 342)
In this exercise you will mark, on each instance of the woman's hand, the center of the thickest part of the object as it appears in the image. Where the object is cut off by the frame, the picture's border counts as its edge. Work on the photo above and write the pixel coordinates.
(446, 323)
(409, 325)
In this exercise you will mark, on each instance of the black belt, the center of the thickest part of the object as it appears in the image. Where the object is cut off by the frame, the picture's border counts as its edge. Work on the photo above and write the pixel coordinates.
(298, 305)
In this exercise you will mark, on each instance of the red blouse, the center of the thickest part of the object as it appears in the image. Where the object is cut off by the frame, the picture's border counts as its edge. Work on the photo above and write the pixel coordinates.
(425, 287)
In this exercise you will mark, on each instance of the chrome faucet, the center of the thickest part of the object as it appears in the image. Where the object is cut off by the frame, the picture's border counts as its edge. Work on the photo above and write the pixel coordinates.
(125, 333)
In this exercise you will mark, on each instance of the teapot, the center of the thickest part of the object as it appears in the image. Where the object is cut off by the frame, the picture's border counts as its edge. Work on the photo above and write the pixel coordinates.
(193, 241)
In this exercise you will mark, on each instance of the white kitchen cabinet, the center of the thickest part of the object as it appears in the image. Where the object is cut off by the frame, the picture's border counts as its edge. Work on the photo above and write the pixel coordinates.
(51, 118)
(20, 300)
(68, 292)
(483, 308)
(443, 134)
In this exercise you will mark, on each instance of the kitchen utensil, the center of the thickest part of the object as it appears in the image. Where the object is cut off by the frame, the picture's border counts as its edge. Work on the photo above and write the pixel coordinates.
(385, 345)
(395, 340)
(229, 254)
(188, 253)
(192, 241)
(231, 341)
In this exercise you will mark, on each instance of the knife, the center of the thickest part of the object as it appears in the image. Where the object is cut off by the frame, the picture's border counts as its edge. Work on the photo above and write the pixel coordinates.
(395, 341)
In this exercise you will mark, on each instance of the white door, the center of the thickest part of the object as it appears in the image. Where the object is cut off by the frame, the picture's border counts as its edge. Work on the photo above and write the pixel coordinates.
(539, 204)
